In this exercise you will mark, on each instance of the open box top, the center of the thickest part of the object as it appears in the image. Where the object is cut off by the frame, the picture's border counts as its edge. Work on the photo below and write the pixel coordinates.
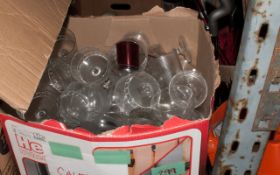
(25, 59)
(30, 32)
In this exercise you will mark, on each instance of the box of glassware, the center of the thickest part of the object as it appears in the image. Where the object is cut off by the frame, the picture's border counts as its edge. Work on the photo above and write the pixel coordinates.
(119, 95)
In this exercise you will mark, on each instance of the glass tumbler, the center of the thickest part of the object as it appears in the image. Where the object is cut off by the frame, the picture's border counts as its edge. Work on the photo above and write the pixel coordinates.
(184, 54)
(131, 52)
(59, 64)
(65, 46)
(168, 107)
(89, 65)
(59, 75)
(137, 90)
(164, 67)
(78, 100)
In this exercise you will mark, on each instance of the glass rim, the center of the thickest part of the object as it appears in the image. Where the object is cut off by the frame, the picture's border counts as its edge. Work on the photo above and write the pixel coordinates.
(85, 53)
(153, 79)
(194, 74)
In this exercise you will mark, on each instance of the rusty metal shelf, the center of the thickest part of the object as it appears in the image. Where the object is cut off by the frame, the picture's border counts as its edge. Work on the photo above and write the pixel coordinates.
(254, 104)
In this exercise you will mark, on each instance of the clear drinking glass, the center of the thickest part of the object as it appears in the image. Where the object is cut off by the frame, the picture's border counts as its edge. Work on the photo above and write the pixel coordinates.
(44, 106)
(59, 75)
(65, 46)
(188, 87)
(136, 90)
(164, 67)
(168, 107)
(89, 65)
(59, 63)
(184, 54)
(78, 100)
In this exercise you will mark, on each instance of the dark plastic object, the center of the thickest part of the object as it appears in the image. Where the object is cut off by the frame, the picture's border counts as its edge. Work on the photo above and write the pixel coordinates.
(224, 10)
(4, 149)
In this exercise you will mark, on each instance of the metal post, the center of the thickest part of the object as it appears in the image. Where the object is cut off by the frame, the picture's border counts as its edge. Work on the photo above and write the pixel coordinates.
(257, 80)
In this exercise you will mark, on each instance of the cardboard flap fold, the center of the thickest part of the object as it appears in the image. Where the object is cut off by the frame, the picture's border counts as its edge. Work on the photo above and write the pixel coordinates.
(27, 34)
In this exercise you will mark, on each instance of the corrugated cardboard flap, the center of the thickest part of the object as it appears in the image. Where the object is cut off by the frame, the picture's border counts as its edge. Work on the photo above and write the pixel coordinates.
(27, 34)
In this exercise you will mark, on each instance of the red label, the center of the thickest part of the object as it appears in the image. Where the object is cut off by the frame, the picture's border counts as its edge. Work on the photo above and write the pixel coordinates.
(26, 144)
(62, 171)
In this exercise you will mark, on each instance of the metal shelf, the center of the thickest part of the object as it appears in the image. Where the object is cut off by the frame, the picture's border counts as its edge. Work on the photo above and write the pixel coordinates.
(254, 103)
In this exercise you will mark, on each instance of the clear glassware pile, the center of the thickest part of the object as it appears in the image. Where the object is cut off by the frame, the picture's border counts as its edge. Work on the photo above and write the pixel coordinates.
(133, 83)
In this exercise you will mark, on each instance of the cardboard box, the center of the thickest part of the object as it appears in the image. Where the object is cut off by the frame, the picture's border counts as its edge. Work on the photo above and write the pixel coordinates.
(7, 164)
(178, 146)
(113, 7)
